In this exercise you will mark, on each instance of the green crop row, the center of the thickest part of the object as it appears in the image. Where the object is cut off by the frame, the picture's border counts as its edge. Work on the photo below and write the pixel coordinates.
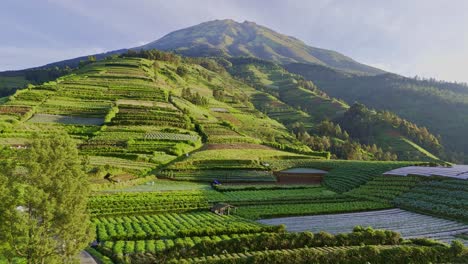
(169, 225)
(271, 210)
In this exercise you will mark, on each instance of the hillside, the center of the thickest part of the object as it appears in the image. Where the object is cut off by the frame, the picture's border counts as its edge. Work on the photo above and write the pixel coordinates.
(333, 75)
(442, 107)
(230, 38)
(304, 107)
(133, 115)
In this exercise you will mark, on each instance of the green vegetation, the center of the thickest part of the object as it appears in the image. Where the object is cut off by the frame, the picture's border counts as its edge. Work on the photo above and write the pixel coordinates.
(385, 188)
(43, 217)
(444, 197)
(11, 81)
(306, 111)
(255, 196)
(148, 115)
(323, 207)
(229, 38)
(376, 254)
(410, 98)
(342, 175)
(173, 225)
(236, 243)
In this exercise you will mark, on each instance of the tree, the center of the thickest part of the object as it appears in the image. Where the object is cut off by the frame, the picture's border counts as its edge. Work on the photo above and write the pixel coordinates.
(91, 59)
(182, 71)
(43, 217)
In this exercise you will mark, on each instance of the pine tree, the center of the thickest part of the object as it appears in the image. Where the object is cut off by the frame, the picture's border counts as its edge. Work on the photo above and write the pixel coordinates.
(43, 217)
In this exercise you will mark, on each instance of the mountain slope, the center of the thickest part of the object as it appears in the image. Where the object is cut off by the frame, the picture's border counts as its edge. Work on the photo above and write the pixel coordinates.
(442, 107)
(230, 38)
(131, 116)
(296, 103)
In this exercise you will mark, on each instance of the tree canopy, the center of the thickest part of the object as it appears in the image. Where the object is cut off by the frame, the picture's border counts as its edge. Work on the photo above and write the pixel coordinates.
(44, 189)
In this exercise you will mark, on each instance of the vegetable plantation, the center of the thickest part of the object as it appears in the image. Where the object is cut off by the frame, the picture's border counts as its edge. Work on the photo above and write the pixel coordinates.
(151, 151)
(409, 224)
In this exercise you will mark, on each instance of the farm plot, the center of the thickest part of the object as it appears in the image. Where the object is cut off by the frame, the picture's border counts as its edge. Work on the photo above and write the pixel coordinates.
(172, 225)
(217, 247)
(324, 255)
(151, 202)
(447, 198)
(66, 120)
(226, 175)
(409, 224)
(14, 111)
(261, 186)
(216, 133)
(138, 167)
(343, 175)
(385, 188)
(320, 206)
(252, 155)
(118, 248)
(171, 136)
(276, 195)
(154, 116)
(30, 97)
(73, 107)
(158, 185)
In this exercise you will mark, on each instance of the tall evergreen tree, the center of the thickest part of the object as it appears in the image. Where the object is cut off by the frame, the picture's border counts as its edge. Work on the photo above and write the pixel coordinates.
(43, 217)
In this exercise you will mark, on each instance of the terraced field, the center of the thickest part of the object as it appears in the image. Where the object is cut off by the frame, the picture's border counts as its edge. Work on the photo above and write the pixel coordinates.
(409, 224)
(47, 118)
(445, 197)
(133, 123)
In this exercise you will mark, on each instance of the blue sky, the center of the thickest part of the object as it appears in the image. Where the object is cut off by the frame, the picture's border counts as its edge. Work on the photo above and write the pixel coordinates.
(426, 38)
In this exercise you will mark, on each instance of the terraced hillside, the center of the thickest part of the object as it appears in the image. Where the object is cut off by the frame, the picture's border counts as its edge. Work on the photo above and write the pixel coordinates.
(133, 115)
(174, 118)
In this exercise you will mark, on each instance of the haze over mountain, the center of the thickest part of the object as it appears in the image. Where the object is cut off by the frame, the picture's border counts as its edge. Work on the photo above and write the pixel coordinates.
(230, 38)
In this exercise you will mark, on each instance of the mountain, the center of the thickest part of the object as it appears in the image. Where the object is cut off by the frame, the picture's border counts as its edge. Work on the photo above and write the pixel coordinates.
(233, 39)
(310, 103)
(214, 38)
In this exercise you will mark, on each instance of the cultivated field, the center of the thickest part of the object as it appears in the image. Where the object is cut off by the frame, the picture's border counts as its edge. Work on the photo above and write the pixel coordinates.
(409, 224)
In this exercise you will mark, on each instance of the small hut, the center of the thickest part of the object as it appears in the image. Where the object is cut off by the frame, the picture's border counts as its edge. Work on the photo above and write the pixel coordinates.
(222, 209)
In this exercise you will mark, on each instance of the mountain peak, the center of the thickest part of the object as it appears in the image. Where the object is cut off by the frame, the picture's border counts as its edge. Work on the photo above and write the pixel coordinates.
(230, 38)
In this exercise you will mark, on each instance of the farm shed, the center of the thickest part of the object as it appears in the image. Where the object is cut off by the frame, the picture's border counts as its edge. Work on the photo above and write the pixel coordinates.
(222, 209)
(300, 175)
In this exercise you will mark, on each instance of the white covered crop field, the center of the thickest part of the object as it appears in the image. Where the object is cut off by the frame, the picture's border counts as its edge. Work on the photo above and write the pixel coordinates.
(455, 171)
(409, 224)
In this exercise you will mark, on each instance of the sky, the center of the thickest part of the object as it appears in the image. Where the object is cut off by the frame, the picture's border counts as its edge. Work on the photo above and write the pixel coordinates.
(428, 38)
